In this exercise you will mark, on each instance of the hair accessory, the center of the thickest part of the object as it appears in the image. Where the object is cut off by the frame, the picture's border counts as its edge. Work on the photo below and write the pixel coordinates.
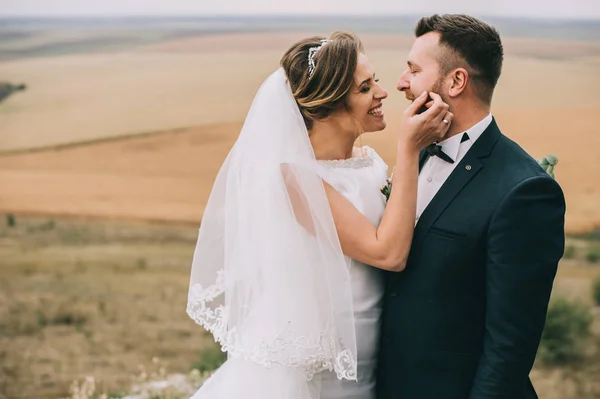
(311, 57)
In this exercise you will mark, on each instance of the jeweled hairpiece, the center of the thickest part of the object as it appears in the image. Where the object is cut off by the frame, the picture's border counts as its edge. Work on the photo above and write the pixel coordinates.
(311, 57)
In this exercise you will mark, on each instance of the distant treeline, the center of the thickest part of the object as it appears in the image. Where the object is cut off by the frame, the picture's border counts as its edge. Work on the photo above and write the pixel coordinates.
(24, 37)
(6, 89)
(192, 25)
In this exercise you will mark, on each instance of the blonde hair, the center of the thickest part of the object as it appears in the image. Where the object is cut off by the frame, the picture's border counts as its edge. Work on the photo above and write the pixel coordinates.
(326, 90)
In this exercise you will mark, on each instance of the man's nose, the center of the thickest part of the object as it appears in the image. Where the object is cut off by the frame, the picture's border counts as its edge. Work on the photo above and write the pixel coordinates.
(403, 83)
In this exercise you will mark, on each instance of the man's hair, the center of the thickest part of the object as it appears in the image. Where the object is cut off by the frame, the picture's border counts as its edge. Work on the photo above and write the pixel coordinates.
(472, 44)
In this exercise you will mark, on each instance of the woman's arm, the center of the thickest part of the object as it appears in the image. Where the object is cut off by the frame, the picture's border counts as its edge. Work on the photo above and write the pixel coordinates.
(387, 246)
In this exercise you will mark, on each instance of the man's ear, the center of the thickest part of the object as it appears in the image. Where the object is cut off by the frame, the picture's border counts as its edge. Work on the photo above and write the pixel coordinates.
(459, 80)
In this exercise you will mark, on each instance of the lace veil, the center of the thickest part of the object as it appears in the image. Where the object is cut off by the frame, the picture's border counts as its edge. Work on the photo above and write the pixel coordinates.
(270, 289)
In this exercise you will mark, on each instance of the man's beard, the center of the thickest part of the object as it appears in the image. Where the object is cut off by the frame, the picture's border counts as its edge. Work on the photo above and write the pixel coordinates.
(436, 88)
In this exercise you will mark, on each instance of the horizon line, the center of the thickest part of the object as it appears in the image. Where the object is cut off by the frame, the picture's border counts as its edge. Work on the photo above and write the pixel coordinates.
(286, 15)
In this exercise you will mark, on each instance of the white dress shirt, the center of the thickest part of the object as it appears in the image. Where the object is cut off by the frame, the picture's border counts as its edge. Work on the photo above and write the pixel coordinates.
(436, 170)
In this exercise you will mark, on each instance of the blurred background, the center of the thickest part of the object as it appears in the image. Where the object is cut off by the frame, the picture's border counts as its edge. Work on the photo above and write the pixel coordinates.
(115, 117)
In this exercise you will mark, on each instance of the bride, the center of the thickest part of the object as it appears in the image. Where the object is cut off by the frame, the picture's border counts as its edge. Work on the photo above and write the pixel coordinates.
(279, 274)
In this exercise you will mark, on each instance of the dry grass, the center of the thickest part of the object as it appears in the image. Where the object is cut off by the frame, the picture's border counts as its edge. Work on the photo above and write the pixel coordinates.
(574, 282)
(81, 297)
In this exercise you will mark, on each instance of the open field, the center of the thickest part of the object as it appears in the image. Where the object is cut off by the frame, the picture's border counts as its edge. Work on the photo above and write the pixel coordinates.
(169, 176)
(207, 80)
(108, 158)
(81, 297)
(193, 93)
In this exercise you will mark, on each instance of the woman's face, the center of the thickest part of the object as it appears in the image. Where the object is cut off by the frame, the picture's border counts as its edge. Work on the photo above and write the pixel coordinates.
(365, 98)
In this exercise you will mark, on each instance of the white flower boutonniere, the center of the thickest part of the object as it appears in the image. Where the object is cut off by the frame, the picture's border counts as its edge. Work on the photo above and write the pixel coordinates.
(548, 163)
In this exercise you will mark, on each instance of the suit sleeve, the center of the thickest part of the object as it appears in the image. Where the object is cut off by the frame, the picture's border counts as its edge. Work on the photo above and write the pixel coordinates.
(525, 243)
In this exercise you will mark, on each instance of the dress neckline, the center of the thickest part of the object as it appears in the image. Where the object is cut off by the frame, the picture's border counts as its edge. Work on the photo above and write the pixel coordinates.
(362, 161)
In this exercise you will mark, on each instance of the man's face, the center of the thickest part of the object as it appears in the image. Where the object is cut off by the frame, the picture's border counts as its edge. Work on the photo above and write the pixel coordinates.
(423, 72)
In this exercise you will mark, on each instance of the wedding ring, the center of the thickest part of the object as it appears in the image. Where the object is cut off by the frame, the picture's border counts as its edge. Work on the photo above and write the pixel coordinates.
(445, 121)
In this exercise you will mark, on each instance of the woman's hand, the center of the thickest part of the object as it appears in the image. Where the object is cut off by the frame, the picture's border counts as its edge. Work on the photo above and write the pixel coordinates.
(417, 131)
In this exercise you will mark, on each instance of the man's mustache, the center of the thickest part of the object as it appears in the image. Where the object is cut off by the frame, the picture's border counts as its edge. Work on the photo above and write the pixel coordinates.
(409, 95)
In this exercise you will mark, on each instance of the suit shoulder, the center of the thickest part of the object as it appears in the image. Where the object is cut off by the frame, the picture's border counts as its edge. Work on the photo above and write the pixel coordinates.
(510, 167)
(516, 163)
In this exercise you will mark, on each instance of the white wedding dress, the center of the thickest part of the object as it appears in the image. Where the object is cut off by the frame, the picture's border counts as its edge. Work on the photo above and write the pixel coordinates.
(359, 180)
(297, 318)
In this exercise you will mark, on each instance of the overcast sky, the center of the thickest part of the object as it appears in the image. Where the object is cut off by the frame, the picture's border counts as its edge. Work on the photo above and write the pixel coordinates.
(522, 8)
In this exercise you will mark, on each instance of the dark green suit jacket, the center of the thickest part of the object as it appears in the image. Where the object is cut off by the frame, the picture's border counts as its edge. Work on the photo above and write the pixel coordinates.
(464, 319)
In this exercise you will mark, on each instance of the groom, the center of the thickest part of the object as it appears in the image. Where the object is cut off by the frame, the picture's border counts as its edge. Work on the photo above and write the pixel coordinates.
(464, 320)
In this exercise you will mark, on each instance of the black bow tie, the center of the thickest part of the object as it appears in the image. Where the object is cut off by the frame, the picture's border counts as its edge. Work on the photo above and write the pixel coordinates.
(435, 150)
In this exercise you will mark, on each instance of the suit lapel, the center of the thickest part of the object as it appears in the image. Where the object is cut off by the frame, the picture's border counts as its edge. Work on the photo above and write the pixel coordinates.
(422, 158)
(468, 167)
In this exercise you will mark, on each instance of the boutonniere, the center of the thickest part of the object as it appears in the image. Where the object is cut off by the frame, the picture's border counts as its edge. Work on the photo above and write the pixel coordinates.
(547, 163)
(386, 189)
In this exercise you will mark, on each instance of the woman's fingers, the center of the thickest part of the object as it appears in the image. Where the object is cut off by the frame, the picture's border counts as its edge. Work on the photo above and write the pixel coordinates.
(437, 109)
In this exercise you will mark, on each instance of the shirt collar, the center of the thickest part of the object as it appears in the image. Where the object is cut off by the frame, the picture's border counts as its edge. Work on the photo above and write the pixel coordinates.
(451, 145)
